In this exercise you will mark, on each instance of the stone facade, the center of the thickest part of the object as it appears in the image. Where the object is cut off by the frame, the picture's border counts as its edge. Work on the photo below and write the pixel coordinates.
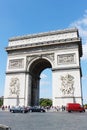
(29, 55)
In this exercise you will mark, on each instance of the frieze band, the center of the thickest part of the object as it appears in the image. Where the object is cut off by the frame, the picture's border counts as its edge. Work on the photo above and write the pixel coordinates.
(66, 58)
(16, 63)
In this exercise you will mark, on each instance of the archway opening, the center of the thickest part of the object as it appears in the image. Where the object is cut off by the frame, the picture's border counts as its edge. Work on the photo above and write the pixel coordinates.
(46, 84)
(35, 71)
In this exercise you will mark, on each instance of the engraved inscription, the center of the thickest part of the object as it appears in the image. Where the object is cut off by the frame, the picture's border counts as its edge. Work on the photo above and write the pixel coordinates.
(16, 64)
(66, 58)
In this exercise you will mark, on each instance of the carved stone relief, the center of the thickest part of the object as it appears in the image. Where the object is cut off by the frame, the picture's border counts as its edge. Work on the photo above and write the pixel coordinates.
(49, 56)
(66, 59)
(67, 85)
(14, 86)
(16, 63)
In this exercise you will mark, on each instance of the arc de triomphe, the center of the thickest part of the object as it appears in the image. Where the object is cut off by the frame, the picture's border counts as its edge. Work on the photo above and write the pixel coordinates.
(29, 55)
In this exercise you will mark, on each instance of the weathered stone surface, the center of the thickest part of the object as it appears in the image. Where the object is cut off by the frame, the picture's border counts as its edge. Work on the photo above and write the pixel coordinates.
(29, 55)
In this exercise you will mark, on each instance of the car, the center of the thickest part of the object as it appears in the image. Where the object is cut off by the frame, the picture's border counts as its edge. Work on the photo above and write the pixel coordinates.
(36, 109)
(71, 107)
(19, 109)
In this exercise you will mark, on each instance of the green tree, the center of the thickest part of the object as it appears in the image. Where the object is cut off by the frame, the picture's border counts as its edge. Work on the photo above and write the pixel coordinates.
(1, 101)
(45, 102)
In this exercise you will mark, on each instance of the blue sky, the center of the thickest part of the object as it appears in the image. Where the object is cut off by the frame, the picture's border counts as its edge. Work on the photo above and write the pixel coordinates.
(21, 17)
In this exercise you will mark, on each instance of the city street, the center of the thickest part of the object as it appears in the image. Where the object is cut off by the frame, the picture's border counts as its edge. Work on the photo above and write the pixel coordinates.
(44, 121)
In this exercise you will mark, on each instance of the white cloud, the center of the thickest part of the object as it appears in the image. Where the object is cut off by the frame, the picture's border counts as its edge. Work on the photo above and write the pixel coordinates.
(44, 80)
(81, 24)
(84, 52)
(43, 76)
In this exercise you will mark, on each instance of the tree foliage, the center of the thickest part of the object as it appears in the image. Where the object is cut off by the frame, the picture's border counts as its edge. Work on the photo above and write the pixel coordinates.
(45, 102)
(1, 102)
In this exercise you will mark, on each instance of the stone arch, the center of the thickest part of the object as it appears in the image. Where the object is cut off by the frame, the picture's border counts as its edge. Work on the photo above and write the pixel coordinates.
(29, 55)
(47, 57)
(35, 69)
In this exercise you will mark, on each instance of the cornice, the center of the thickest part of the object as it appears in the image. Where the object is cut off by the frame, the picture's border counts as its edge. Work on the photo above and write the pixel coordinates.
(19, 47)
(43, 34)
(46, 44)
(66, 68)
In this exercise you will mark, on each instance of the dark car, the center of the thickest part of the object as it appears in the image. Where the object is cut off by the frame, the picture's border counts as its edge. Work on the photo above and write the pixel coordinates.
(36, 109)
(19, 109)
